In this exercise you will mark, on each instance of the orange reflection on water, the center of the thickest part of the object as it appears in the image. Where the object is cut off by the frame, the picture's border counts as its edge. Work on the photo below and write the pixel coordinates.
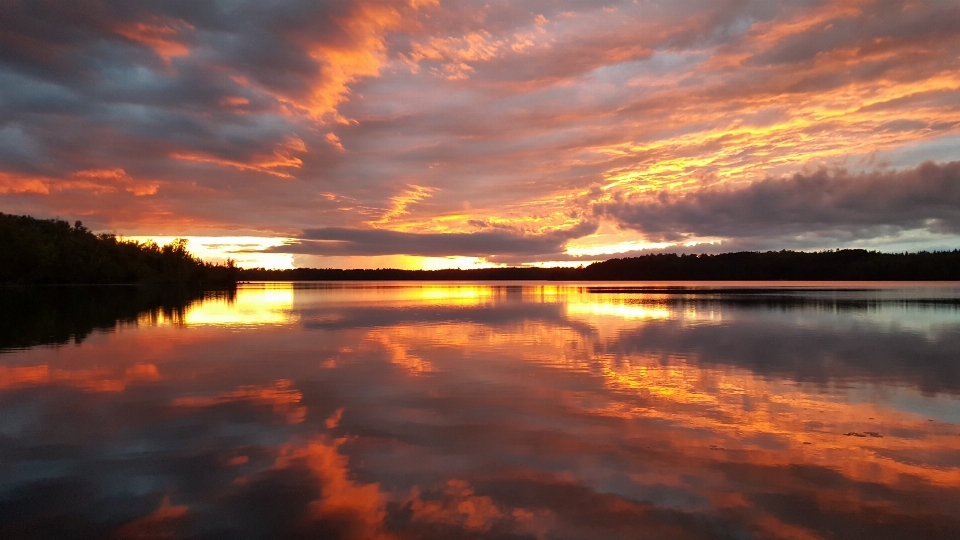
(253, 305)
(281, 397)
(741, 412)
(86, 379)
(480, 410)
(725, 414)
(616, 309)
(361, 506)
(417, 294)
(398, 354)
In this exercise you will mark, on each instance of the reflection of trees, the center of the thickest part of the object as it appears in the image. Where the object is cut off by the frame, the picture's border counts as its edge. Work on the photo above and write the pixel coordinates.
(32, 316)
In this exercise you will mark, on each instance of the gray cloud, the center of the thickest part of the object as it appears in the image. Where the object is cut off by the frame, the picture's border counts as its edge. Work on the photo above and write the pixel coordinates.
(825, 204)
(342, 241)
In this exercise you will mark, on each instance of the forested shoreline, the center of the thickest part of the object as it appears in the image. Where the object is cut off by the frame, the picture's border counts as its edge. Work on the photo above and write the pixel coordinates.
(51, 251)
(838, 265)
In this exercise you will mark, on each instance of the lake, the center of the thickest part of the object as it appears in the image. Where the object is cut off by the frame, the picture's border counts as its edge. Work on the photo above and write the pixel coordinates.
(482, 410)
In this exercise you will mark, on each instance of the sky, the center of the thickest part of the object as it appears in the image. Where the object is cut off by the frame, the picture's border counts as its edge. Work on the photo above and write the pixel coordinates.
(437, 134)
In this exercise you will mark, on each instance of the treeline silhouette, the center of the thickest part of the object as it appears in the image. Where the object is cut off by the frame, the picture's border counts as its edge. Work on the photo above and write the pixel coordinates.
(31, 316)
(51, 251)
(838, 265)
(48, 251)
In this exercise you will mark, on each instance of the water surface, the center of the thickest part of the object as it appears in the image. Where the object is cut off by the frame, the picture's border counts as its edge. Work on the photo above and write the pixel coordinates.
(414, 410)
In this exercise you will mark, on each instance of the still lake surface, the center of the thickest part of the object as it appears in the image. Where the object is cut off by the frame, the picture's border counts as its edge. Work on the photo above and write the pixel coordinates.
(482, 410)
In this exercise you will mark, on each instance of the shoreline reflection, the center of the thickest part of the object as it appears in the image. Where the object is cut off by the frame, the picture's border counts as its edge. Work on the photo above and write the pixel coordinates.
(31, 316)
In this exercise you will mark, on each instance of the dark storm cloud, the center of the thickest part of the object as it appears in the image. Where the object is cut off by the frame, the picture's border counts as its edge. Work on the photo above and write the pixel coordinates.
(826, 203)
(342, 241)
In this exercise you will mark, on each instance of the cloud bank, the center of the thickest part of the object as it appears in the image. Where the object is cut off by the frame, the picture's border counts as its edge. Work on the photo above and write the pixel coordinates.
(339, 241)
(826, 204)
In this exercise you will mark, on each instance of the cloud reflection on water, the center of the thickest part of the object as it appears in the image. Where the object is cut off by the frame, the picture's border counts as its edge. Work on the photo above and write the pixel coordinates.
(398, 411)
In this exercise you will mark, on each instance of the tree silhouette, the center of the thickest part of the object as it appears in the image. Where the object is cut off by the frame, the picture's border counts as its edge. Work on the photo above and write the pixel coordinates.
(51, 251)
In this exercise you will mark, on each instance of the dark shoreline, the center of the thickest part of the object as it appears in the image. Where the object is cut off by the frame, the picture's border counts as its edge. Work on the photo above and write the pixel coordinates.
(839, 265)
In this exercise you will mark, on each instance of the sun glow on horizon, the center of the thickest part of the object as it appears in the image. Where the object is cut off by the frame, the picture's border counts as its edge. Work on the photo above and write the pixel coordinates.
(246, 251)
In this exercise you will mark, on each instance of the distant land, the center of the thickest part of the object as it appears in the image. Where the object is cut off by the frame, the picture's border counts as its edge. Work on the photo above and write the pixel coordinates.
(38, 251)
(838, 265)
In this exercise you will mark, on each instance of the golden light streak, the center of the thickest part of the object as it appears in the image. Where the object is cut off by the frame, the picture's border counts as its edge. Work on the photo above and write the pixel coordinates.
(621, 311)
(399, 204)
(403, 262)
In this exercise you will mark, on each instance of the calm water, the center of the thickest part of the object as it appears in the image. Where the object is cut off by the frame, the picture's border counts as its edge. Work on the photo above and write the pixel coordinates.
(396, 410)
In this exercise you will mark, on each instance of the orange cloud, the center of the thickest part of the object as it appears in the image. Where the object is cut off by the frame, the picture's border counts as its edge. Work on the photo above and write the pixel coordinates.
(399, 204)
(235, 101)
(456, 53)
(11, 183)
(159, 35)
(345, 64)
(160, 524)
(110, 180)
(335, 142)
(94, 180)
(362, 53)
(281, 158)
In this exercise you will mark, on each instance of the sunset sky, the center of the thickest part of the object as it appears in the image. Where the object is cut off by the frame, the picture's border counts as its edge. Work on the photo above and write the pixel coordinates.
(425, 134)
